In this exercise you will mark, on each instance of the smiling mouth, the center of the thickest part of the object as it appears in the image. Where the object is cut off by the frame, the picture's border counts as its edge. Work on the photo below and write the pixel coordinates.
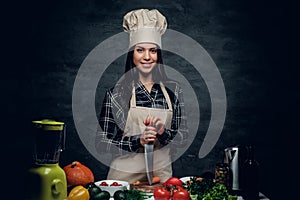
(146, 64)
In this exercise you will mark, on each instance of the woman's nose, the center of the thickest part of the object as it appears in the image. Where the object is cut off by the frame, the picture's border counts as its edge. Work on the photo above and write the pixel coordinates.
(147, 55)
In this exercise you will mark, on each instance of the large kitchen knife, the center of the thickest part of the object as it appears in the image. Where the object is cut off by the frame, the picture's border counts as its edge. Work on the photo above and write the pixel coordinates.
(149, 161)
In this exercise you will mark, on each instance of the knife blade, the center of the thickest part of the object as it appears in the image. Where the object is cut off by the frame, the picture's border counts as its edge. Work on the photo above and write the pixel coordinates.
(148, 150)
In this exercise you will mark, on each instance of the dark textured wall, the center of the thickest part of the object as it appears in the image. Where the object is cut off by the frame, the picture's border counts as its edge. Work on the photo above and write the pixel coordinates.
(246, 40)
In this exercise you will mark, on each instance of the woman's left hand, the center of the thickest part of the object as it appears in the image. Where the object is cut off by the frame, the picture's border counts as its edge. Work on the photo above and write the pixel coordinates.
(158, 124)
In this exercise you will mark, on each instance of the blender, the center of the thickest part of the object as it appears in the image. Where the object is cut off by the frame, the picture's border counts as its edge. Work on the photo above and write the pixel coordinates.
(46, 179)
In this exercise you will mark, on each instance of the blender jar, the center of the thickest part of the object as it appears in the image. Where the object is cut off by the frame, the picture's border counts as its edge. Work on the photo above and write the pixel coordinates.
(49, 142)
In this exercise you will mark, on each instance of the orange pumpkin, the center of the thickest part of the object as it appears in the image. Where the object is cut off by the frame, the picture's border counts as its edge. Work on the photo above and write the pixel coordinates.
(78, 174)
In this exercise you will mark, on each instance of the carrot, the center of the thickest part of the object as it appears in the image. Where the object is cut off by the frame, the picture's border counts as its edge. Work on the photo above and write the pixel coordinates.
(155, 179)
(136, 183)
(199, 179)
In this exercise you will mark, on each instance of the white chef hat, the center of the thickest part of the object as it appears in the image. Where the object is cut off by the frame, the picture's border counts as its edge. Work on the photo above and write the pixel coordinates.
(144, 25)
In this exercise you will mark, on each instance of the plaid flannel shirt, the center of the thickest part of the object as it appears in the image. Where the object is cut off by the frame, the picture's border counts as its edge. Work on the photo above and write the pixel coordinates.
(113, 118)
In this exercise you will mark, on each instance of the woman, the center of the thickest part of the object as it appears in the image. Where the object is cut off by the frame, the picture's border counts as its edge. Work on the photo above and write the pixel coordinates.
(145, 107)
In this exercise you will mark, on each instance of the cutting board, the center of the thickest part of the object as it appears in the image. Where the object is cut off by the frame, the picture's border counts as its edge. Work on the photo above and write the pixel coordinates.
(145, 187)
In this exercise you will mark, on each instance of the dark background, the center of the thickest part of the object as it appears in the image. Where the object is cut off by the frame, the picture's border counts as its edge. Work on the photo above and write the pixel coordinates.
(45, 43)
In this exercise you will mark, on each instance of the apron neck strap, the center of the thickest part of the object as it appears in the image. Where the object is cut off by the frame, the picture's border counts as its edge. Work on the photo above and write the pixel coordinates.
(133, 100)
(162, 86)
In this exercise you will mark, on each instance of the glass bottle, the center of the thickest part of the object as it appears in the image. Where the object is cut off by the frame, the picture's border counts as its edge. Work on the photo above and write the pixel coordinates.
(250, 176)
(222, 174)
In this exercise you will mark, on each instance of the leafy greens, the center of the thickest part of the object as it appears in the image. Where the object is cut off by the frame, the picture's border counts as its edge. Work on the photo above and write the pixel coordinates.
(207, 189)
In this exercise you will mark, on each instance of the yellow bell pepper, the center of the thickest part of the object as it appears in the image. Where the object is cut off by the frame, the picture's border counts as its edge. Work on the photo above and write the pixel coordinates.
(79, 193)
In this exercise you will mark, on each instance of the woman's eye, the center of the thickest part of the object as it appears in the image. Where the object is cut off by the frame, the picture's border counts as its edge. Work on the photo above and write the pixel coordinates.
(139, 50)
(153, 50)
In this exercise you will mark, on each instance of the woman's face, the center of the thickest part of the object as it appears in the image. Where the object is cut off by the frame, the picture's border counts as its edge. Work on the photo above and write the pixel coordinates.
(145, 57)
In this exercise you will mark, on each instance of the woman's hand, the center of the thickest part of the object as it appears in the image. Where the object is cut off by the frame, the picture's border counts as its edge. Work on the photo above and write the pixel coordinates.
(158, 124)
(154, 125)
(149, 135)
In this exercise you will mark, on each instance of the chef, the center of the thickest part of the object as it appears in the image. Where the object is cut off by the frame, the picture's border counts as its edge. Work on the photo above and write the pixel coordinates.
(145, 107)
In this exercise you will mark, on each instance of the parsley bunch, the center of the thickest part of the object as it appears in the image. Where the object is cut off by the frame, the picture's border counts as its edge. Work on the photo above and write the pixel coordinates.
(218, 192)
(207, 189)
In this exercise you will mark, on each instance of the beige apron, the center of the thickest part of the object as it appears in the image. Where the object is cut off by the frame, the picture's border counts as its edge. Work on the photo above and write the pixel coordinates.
(131, 167)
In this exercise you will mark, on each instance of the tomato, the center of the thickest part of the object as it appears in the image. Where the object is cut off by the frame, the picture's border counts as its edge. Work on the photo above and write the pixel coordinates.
(181, 194)
(115, 184)
(161, 194)
(103, 183)
(173, 181)
(147, 121)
